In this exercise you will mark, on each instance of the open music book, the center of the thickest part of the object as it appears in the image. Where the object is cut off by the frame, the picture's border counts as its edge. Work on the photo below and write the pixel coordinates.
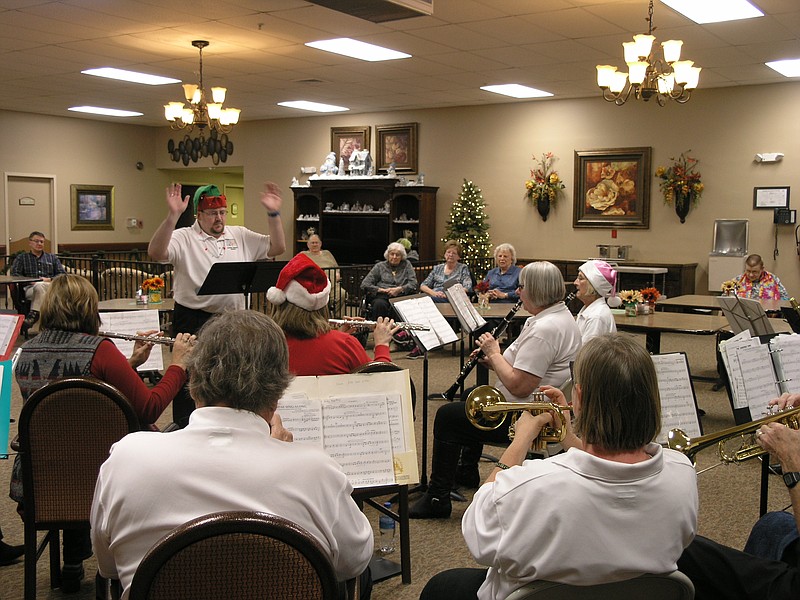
(760, 371)
(9, 331)
(421, 309)
(470, 319)
(678, 400)
(363, 421)
(131, 322)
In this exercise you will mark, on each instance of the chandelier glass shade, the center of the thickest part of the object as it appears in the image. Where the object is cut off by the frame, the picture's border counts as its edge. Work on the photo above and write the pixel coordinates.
(664, 77)
(200, 113)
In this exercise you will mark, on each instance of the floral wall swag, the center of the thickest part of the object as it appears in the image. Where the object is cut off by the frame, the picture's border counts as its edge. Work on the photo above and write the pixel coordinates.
(544, 186)
(680, 181)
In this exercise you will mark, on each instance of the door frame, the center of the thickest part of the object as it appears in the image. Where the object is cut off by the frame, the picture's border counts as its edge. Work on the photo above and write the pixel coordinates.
(53, 205)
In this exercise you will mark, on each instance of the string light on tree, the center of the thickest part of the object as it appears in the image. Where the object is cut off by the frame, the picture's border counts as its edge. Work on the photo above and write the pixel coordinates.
(469, 223)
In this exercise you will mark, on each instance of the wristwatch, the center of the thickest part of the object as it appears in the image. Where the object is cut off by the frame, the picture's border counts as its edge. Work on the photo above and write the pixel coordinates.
(791, 479)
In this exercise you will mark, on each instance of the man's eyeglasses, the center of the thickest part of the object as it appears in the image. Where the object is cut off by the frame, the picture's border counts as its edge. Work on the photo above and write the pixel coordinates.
(215, 213)
(37, 241)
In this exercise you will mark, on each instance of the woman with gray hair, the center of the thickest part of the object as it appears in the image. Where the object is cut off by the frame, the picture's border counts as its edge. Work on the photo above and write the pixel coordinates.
(503, 279)
(540, 356)
(390, 278)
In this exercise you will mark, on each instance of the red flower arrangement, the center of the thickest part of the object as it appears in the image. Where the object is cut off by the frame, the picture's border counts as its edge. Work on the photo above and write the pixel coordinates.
(482, 287)
(650, 295)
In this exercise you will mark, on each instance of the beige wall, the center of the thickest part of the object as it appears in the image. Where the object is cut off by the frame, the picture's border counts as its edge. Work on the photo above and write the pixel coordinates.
(491, 146)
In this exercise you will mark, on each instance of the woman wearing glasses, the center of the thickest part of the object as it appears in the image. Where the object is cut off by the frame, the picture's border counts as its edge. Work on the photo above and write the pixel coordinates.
(596, 282)
(539, 356)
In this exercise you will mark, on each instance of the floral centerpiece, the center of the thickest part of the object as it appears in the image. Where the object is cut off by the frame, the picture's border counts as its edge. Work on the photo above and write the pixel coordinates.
(729, 287)
(154, 286)
(482, 289)
(544, 186)
(649, 297)
(630, 298)
(680, 182)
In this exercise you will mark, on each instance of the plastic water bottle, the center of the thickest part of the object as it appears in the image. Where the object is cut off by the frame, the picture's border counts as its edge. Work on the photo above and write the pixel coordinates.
(386, 525)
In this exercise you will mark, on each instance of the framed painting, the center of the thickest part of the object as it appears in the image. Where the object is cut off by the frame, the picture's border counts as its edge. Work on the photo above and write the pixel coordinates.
(345, 140)
(612, 188)
(92, 207)
(397, 144)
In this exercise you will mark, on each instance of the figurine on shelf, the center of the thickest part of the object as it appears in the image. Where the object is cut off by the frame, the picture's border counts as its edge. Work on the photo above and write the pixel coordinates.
(329, 166)
(421, 179)
(344, 207)
(357, 207)
(295, 183)
(329, 206)
(391, 170)
(310, 231)
(386, 206)
(360, 163)
(341, 166)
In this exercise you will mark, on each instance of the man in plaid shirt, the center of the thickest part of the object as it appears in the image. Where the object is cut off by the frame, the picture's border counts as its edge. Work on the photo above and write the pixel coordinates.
(36, 263)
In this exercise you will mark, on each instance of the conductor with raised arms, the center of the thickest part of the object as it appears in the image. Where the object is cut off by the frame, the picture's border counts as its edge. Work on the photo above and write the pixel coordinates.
(194, 250)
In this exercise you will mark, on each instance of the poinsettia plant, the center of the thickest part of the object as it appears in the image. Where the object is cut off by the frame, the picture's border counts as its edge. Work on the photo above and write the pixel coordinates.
(482, 287)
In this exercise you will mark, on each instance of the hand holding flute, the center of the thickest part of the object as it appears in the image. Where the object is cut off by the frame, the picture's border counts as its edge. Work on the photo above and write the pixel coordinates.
(181, 347)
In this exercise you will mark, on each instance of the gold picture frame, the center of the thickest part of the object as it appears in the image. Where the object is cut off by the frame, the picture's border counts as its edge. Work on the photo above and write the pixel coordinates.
(92, 207)
(397, 144)
(345, 140)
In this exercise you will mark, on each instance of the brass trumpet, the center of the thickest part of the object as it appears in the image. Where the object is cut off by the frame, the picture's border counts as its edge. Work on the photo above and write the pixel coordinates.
(749, 448)
(487, 409)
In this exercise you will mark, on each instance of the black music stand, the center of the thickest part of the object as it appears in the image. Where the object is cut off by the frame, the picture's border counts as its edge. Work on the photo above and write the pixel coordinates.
(745, 314)
(241, 278)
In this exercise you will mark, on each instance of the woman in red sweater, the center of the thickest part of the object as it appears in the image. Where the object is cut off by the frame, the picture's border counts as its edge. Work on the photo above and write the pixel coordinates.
(299, 305)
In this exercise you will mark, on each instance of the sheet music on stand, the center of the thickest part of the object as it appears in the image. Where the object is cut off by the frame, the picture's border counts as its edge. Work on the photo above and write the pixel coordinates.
(421, 309)
(744, 314)
(760, 371)
(9, 331)
(129, 322)
(470, 319)
(678, 400)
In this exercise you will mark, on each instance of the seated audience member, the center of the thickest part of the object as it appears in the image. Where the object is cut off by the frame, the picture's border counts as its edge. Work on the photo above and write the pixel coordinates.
(68, 346)
(240, 459)
(758, 283)
(769, 566)
(504, 277)
(299, 305)
(614, 506)
(451, 268)
(325, 260)
(9, 554)
(389, 278)
(596, 281)
(539, 356)
(36, 263)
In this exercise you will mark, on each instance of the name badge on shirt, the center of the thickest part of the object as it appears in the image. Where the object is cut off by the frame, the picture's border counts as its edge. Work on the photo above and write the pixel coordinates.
(230, 244)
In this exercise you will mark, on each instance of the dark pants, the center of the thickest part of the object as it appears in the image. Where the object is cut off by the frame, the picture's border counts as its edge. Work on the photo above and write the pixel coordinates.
(185, 320)
(380, 307)
(454, 584)
(720, 573)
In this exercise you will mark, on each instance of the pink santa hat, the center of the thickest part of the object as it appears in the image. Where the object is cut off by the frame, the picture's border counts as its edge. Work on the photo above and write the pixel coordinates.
(601, 275)
(302, 283)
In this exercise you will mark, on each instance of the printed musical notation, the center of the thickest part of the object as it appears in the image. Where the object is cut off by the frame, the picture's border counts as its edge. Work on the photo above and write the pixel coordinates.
(422, 310)
(470, 319)
(132, 322)
(678, 404)
(363, 421)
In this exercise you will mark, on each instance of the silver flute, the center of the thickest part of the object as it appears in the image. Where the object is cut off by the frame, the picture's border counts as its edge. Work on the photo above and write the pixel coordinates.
(153, 339)
(370, 325)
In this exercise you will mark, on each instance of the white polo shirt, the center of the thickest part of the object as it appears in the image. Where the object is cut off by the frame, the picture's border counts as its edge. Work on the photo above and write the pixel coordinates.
(192, 252)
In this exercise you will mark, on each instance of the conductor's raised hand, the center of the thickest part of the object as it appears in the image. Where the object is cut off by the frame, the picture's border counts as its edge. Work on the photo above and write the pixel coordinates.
(271, 198)
(175, 203)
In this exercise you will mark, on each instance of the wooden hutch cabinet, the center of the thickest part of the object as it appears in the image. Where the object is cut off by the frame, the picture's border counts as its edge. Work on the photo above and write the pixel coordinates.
(357, 218)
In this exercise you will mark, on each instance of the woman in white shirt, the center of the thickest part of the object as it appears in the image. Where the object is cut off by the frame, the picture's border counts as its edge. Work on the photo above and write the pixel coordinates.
(596, 282)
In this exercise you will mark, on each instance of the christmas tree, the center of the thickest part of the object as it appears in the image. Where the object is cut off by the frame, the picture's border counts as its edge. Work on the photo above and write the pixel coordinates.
(469, 223)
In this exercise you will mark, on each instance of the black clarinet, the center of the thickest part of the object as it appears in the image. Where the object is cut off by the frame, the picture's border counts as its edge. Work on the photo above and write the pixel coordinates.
(450, 394)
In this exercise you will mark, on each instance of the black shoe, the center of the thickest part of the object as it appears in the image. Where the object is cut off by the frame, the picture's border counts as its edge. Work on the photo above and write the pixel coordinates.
(431, 507)
(468, 477)
(71, 577)
(9, 554)
(31, 319)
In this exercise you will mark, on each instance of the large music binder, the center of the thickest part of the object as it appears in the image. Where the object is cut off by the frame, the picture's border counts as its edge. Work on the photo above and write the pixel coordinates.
(9, 331)
(760, 369)
(364, 421)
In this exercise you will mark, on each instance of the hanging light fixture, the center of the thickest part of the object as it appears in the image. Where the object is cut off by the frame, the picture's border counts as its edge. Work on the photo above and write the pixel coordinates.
(200, 114)
(649, 76)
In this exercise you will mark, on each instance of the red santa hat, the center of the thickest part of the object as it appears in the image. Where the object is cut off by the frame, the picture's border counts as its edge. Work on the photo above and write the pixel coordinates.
(601, 275)
(302, 283)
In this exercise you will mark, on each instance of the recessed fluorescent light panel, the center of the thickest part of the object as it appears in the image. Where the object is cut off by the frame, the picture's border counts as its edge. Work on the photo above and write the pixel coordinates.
(356, 49)
(714, 11)
(132, 76)
(516, 90)
(787, 68)
(313, 106)
(109, 112)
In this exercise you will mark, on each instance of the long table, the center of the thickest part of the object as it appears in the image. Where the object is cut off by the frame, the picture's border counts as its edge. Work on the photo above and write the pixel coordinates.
(708, 302)
(654, 324)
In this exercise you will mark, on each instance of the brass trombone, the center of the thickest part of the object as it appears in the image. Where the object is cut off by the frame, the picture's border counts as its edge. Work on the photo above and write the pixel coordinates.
(748, 448)
(487, 410)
